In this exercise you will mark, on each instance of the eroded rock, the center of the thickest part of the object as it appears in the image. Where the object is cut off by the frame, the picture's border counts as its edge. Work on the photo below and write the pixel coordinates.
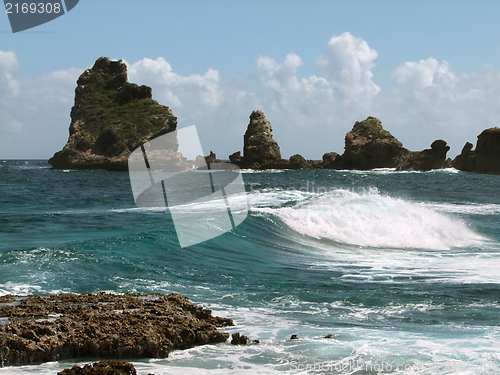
(259, 145)
(102, 368)
(110, 118)
(68, 326)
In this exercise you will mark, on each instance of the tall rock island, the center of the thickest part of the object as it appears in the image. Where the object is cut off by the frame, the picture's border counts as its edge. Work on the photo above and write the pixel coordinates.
(259, 145)
(110, 118)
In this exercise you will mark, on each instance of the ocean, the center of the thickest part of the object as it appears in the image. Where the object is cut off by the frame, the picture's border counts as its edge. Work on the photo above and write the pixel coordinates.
(403, 268)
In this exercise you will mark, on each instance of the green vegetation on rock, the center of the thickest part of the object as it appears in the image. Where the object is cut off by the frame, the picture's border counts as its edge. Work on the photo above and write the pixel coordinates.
(110, 118)
(371, 128)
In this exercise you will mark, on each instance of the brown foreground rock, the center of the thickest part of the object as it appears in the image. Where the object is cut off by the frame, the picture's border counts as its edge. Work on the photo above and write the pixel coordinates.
(102, 368)
(67, 326)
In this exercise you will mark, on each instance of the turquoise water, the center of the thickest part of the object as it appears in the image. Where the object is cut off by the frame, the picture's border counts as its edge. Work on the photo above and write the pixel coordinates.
(402, 267)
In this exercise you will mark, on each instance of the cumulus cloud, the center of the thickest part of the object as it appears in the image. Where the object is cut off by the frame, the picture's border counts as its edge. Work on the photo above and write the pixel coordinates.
(34, 111)
(430, 101)
(348, 60)
(196, 89)
(8, 65)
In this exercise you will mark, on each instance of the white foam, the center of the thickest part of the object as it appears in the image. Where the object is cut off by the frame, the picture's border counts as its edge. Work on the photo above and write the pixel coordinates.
(469, 208)
(375, 220)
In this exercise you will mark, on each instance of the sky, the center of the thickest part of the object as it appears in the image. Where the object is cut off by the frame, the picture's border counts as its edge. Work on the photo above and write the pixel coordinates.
(427, 69)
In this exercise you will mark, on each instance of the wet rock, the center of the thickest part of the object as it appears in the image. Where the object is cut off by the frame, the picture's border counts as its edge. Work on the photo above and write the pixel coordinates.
(237, 339)
(102, 368)
(330, 336)
(68, 326)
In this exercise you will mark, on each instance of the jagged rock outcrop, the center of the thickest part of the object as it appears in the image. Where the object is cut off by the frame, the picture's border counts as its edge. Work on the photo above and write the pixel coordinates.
(426, 160)
(261, 151)
(369, 146)
(331, 160)
(485, 158)
(236, 158)
(212, 158)
(466, 161)
(110, 118)
(69, 326)
(259, 146)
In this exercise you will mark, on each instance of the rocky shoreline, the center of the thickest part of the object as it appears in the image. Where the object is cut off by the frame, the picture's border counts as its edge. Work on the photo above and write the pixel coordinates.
(112, 117)
(42, 328)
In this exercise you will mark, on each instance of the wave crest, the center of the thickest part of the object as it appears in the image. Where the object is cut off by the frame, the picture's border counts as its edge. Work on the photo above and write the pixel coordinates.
(375, 220)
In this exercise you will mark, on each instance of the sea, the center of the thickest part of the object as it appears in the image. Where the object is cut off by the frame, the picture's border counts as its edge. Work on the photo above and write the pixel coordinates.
(401, 268)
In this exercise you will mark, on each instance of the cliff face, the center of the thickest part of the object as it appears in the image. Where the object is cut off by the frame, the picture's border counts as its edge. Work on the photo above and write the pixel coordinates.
(110, 118)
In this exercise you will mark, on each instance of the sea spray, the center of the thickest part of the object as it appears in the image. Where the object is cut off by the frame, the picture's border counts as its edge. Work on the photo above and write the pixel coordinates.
(372, 219)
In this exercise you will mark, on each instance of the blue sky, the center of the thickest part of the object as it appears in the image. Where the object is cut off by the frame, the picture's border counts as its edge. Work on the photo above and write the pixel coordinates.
(427, 69)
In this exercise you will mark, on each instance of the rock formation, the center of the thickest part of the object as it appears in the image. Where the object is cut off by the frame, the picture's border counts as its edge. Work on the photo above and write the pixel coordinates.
(486, 157)
(425, 160)
(261, 151)
(466, 161)
(68, 326)
(488, 151)
(212, 158)
(259, 147)
(368, 145)
(331, 160)
(110, 118)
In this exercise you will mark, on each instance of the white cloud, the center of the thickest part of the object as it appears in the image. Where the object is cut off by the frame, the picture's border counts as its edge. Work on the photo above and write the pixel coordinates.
(196, 89)
(8, 65)
(34, 112)
(348, 60)
(430, 101)
(425, 73)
